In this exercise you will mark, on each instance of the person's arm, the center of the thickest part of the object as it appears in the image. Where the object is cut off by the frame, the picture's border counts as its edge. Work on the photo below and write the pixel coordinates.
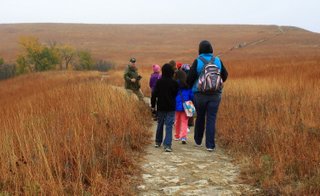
(176, 88)
(193, 75)
(128, 78)
(150, 82)
(224, 72)
(154, 96)
(126, 75)
(191, 95)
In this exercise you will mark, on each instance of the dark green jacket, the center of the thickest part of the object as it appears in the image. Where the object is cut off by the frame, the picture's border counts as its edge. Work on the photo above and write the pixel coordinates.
(130, 73)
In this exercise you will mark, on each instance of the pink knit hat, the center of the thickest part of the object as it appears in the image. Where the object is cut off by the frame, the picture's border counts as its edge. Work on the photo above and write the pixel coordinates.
(156, 68)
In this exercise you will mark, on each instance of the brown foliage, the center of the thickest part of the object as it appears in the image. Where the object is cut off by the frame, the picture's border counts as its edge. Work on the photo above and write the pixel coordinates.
(270, 113)
(64, 133)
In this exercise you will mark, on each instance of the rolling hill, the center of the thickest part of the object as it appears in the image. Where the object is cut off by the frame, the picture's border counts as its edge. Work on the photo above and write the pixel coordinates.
(161, 43)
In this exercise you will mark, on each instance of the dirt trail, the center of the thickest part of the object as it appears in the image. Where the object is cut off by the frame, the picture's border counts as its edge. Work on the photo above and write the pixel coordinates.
(190, 170)
(280, 31)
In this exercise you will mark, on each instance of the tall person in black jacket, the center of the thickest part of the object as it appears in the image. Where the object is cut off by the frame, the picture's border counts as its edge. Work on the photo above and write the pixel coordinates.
(164, 95)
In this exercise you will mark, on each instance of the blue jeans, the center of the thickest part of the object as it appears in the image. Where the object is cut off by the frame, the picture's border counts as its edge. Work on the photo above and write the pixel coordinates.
(167, 119)
(207, 108)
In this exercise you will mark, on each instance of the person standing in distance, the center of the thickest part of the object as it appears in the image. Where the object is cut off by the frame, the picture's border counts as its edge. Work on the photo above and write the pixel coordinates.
(206, 104)
(132, 79)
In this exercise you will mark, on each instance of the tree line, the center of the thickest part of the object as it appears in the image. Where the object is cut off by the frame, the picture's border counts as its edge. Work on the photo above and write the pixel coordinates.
(37, 56)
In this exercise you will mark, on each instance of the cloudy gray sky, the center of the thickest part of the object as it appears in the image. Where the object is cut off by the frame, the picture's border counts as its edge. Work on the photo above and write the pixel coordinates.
(301, 13)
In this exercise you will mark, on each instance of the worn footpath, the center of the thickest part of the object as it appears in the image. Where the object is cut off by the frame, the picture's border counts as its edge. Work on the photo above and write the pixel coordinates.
(190, 170)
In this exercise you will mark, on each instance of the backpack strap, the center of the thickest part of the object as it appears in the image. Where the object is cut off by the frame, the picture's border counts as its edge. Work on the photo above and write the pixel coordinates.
(205, 61)
(212, 59)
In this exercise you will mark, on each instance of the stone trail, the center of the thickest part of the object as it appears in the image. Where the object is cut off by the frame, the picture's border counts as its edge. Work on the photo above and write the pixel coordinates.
(190, 170)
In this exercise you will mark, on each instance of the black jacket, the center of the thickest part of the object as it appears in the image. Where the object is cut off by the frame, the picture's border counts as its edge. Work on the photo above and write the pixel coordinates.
(165, 91)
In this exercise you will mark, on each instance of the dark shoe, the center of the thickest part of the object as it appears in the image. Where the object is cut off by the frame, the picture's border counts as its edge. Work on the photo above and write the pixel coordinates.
(167, 149)
(197, 145)
(157, 145)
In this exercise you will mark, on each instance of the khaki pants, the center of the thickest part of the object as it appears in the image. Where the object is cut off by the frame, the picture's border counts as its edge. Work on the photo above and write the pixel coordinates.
(138, 93)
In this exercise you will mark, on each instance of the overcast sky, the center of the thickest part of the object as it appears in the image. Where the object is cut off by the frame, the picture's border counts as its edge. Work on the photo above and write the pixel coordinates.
(300, 13)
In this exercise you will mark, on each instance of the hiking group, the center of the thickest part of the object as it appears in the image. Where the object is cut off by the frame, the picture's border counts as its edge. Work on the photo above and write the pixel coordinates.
(178, 83)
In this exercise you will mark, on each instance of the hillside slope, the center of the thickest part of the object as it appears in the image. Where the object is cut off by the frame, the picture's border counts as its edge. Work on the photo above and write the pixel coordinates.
(161, 43)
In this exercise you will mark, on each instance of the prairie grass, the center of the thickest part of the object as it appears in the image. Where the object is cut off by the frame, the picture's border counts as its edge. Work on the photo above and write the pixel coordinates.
(270, 116)
(68, 133)
(269, 119)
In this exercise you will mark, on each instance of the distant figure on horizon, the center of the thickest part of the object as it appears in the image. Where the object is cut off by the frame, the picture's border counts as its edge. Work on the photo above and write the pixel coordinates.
(132, 79)
(164, 96)
(206, 104)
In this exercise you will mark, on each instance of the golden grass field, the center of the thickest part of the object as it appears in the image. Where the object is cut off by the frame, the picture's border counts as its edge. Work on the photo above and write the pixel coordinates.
(68, 133)
(268, 118)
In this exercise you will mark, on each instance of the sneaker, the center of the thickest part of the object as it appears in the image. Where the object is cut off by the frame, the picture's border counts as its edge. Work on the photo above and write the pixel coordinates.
(176, 139)
(210, 149)
(183, 141)
(197, 145)
(167, 149)
(157, 145)
(188, 130)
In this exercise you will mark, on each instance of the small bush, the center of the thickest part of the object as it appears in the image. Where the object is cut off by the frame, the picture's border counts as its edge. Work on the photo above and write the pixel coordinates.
(7, 71)
(103, 65)
(85, 61)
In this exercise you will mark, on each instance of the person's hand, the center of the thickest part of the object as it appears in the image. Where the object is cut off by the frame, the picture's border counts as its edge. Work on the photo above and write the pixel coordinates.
(133, 80)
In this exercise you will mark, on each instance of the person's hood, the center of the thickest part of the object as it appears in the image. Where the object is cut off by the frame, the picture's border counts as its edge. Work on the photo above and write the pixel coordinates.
(156, 68)
(205, 47)
(167, 71)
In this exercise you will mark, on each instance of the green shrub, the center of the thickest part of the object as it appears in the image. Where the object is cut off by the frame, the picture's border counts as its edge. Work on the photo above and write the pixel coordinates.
(7, 71)
(85, 61)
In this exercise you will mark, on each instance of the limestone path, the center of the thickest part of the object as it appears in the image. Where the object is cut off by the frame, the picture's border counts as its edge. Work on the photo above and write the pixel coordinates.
(190, 170)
